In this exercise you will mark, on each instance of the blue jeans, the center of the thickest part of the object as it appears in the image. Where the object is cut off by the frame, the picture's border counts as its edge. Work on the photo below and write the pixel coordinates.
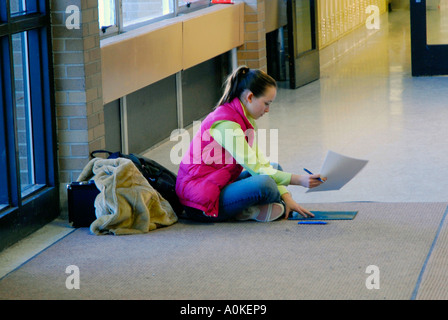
(245, 192)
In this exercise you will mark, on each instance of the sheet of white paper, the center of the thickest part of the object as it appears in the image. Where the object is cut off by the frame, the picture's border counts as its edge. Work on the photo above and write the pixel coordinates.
(338, 169)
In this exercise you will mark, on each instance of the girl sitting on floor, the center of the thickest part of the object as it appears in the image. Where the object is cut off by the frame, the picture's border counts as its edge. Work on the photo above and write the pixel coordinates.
(211, 183)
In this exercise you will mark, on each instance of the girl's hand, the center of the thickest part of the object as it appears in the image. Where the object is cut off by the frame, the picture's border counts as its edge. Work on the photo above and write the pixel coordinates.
(307, 180)
(291, 205)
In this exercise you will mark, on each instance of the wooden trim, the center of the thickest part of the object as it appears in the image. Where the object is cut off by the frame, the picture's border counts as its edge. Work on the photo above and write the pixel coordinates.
(135, 60)
(211, 34)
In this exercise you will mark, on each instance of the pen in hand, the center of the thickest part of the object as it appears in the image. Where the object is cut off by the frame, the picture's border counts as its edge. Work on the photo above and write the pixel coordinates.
(309, 172)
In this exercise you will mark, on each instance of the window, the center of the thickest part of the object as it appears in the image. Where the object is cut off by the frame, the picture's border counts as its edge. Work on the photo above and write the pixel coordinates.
(29, 196)
(136, 13)
(23, 109)
(107, 15)
(186, 6)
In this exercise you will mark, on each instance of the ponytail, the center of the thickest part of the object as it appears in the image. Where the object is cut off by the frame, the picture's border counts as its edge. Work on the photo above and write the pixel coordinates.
(244, 78)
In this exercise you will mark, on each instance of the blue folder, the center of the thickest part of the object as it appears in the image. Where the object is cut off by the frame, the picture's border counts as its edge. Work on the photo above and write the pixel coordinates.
(326, 215)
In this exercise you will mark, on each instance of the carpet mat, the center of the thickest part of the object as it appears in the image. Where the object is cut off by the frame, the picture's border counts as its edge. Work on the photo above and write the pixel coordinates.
(242, 260)
(325, 215)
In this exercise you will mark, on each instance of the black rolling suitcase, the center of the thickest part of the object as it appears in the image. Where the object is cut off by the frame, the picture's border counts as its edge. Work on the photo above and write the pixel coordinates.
(81, 198)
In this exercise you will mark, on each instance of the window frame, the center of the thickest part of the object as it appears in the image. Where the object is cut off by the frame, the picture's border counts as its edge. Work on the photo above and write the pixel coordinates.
(119, 27)
(112, 29)
(197, 5)
(23, 212)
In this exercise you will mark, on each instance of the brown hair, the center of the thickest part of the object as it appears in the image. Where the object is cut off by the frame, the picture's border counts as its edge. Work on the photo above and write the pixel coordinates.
(244, 78)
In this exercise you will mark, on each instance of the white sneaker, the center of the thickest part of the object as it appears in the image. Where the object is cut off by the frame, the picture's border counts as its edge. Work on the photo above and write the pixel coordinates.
(262, 213)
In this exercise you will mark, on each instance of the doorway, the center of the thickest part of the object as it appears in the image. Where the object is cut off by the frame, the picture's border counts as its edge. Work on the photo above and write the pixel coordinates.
(303, 53)
(429, 37)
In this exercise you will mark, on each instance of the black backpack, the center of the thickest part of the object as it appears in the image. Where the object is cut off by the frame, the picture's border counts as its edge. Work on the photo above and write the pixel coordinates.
(159, 177)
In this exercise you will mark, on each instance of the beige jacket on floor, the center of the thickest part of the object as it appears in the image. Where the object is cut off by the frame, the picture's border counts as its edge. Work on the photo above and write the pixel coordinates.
(127, 203)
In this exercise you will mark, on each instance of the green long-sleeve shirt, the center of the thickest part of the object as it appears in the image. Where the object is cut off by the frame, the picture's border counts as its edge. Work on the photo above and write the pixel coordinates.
(232, 138)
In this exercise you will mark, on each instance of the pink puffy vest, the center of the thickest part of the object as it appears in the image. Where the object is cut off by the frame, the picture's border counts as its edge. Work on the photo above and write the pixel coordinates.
(207, 167)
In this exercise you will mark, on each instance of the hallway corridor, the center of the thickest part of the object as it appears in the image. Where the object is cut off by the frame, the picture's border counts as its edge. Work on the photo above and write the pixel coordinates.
(365, 105)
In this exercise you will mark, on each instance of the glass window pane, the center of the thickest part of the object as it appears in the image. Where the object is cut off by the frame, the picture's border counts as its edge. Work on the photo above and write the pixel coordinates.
(190, 2)
(22, 7)
(106, 13)
(4, 187)
(185, 6)
(23, 111)
(17, 7)
(136, 11)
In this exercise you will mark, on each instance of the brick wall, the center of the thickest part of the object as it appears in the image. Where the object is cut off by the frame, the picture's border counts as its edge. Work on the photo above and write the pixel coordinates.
(78, 87)
(253, 52)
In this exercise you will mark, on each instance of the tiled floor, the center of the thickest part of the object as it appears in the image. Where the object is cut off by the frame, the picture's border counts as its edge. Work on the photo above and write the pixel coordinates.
(365, 105)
